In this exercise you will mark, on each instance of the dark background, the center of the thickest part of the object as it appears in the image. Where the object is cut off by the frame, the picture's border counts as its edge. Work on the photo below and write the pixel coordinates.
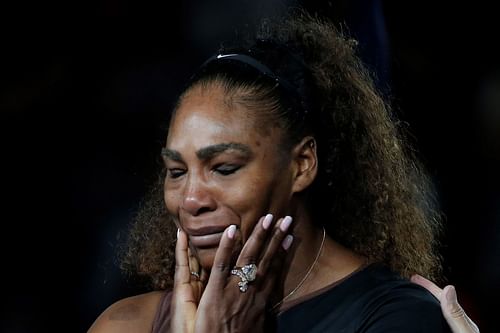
(83, 104)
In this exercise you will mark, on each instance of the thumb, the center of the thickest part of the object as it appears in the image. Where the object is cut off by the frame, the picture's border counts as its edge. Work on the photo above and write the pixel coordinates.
(454, 313)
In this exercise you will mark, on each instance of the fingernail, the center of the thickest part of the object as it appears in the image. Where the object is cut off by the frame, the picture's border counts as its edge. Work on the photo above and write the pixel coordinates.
(178, 232)
(267, 221)
(451, 295)
(287, 242)
(231, 231)
(285, 223)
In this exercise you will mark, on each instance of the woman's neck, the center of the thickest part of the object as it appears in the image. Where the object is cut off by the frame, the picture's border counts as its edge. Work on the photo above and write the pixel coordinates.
(314, 261)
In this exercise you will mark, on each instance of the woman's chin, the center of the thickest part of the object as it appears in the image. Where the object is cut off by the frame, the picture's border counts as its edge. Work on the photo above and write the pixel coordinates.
(206, 258)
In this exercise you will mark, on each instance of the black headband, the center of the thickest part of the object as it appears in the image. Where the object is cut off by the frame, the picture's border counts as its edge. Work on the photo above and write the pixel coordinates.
(246, 59)
(290, 89)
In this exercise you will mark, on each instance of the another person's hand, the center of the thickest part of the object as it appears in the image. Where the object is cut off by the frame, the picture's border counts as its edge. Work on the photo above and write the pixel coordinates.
(453, 313)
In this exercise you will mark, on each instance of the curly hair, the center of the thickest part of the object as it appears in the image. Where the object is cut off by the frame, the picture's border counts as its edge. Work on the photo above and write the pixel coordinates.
(371, 191)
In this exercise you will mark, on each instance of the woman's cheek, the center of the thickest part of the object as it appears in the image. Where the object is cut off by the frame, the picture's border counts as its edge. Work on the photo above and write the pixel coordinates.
(171, 202)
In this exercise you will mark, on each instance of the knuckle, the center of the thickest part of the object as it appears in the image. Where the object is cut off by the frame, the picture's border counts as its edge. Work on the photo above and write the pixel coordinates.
(182, 265)
(456, 311)
(259, 235)
(221, 266)
(278, 233)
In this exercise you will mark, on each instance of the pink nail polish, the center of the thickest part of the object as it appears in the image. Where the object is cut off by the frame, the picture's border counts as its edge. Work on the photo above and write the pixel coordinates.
(287, 242)
(267, 221)
(231, 231)
(451, 295)
(285, 223)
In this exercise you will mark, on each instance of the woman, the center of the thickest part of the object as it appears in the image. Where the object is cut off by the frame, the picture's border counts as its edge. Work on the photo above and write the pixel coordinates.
(295, 203)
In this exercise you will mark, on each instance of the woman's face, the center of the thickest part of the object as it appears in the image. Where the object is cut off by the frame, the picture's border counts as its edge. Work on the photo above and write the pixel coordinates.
(222, 169)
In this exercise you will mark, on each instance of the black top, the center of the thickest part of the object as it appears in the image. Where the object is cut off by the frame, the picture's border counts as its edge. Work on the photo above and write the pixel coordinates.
(371, 300)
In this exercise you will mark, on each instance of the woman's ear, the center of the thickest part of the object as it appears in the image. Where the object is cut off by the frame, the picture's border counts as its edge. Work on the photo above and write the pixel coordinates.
(305, 164)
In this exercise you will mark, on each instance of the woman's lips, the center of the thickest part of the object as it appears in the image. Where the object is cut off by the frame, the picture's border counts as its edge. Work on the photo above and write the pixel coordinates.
(205, 237)
(206, 241)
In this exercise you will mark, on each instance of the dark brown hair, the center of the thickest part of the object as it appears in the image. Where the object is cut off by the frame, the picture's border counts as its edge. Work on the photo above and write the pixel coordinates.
(371, 193)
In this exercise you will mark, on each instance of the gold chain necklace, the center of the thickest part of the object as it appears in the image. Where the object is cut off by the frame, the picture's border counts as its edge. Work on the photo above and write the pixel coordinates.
(305, 276)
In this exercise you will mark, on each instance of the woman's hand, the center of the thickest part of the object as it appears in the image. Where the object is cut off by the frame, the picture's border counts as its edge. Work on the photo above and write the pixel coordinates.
(224, 307)
(453, 313)
(187, 287)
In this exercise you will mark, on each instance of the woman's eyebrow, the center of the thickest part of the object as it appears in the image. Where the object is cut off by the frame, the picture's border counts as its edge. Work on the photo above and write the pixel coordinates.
(211, 151)
(171, 154)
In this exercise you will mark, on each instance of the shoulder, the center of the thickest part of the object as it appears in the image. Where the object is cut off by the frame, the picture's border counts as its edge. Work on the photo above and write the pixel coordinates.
(132, 314)
(404, 311)
(376, 288)
(398, 305)
(371, 300)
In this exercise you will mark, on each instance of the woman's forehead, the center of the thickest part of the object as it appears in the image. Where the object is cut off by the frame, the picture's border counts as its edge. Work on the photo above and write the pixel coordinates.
(211, 113)
(215, 107)
(207, 118)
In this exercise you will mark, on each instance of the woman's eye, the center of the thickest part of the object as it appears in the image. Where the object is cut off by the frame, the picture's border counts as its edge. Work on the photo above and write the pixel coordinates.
(226, 169)
(175, 172)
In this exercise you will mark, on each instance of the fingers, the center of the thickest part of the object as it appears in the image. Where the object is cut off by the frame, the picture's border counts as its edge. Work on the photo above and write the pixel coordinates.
(266, 247)
(274, 258)
(454, 314)
(182, 271)
(277, 244)
(427, 284)
(260, 249)
(450, 303)
(250, 253)
(194, 266)
(222, 260)
(184, 295)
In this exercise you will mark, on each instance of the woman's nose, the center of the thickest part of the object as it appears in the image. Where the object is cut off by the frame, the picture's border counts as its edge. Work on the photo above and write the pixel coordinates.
(198, 199)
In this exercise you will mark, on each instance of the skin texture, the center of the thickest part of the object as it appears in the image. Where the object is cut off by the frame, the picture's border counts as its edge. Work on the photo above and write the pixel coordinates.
(373, 196)
(129, 315)
(230, 172)
(222, 307)
(217, 178)
(454, 313)
(199, 194)
(381, 211)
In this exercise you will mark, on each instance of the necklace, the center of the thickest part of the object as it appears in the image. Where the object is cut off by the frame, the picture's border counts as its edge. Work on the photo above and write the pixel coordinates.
(305, 276)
